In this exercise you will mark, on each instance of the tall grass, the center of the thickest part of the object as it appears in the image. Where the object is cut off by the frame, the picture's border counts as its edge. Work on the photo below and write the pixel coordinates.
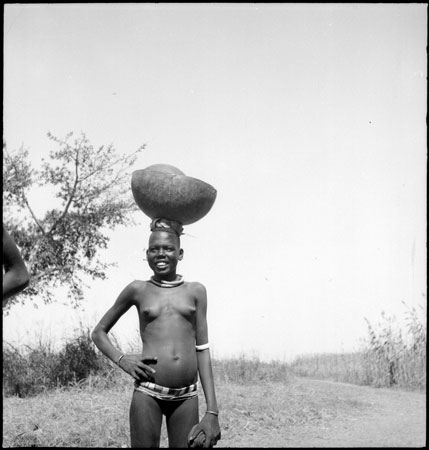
(388, 357)
(243, 370)
(28, 371)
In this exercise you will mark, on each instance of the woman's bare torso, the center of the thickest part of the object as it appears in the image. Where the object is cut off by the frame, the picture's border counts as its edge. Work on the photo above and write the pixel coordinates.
(167, 328)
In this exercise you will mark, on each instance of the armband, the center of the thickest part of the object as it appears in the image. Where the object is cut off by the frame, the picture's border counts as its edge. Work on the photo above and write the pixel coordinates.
(202, 347)
(119, 359)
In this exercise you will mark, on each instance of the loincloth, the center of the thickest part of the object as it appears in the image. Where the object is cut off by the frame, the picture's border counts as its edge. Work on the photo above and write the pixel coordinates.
(164, 393)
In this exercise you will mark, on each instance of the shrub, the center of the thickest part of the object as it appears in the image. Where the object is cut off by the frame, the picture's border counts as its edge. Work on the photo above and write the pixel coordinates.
(77, 361)
(30, 371)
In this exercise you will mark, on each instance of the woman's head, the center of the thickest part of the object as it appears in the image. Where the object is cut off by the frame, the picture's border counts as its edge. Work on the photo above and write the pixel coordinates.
(164, 253)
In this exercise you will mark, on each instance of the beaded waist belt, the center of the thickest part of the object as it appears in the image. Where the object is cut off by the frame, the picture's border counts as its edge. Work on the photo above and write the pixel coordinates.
(164, 393)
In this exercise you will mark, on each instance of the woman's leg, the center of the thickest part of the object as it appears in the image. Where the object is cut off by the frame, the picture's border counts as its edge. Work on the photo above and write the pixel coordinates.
(145, 421)
(181, 417)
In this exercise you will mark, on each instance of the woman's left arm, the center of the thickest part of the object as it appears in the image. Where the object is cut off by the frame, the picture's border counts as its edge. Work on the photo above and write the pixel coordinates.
(209, 423)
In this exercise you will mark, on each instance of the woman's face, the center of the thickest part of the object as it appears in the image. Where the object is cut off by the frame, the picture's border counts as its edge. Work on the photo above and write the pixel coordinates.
(163, 254)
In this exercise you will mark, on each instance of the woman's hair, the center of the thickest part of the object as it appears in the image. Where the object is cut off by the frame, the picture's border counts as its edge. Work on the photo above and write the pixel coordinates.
(171, 226)
(168, 226)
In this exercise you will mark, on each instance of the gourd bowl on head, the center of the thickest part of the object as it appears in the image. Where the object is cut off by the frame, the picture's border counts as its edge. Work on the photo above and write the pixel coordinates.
(164, 191)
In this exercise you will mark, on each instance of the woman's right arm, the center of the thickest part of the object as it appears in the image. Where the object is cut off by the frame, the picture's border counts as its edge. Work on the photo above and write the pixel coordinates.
(132, 364)
(100, 333)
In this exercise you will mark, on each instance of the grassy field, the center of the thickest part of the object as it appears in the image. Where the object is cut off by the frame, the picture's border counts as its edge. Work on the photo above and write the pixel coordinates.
(95, 415)
(94, 412)
(75, 398)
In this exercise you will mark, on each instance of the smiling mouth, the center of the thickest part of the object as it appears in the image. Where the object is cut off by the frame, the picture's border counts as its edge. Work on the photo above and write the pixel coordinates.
(161, 264)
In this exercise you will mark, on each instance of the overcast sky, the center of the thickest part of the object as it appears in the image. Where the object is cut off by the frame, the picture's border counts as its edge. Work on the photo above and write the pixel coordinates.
(308, 119)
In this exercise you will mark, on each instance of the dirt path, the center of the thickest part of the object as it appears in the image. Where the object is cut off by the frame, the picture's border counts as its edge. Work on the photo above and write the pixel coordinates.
(388, 418)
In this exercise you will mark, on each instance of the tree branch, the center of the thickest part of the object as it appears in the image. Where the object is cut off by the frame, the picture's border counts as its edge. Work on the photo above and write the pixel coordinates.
(32, 214)
(125, 160)
(24, 196)
(76, 181)
(36, 277)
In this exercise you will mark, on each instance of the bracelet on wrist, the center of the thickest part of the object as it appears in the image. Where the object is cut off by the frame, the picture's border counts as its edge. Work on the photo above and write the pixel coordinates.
(119, 359)
(215, 413)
